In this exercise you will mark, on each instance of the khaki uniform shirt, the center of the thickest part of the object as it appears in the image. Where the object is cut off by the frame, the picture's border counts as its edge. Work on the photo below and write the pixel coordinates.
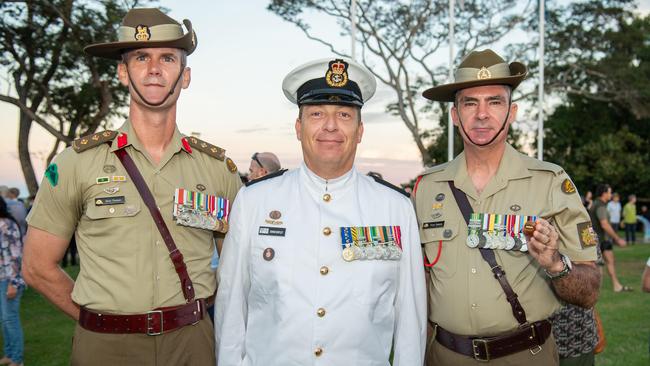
(125, 265)
(465, 297)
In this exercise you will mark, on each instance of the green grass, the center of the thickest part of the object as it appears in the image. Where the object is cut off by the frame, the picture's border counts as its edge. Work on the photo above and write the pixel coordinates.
(626, 316)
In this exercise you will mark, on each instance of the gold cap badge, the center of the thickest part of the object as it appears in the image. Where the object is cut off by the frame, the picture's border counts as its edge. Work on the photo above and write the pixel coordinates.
(483, 73)
(142, 33)
(337, 74)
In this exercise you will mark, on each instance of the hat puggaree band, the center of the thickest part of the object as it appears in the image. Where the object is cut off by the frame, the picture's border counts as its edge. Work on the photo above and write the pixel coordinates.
(477, 69)
(145, 28)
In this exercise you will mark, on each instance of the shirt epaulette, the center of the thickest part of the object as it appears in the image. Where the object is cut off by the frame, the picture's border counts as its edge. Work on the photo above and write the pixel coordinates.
(434, 169)
(212, 150)
(535, 164)
(389, 185)
(268, 176)
(87, 142)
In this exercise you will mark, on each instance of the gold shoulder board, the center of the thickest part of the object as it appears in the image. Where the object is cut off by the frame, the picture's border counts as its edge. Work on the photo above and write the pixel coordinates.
(214, 151)
(87, 142)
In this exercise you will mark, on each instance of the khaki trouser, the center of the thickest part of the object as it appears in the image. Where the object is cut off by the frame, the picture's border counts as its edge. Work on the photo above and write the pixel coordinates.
(439, 355)
(191, 345)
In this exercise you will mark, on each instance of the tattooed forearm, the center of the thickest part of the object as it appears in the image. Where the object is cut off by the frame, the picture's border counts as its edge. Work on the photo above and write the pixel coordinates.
(581, 286)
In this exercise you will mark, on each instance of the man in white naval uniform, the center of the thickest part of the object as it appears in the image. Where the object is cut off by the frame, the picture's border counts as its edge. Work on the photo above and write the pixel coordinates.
(322, 264)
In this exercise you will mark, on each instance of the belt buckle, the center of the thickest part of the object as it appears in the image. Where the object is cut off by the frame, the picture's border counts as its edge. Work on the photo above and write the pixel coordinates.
(198, 310)
(475, 348)
(533, 337)
(149, 324)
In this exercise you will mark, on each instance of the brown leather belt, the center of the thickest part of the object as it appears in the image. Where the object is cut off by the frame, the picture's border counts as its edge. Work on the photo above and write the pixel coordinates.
(155, 322)
(529, 336)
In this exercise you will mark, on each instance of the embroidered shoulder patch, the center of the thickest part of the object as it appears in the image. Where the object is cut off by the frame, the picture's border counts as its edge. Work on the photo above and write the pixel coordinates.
(90, 141)
(568, 187)
(212, 150)
(588, 237)
(52, 174)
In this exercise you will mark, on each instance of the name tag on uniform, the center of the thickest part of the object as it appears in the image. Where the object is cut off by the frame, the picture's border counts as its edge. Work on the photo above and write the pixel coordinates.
(107, 201)
(433, 224)
(272, 231)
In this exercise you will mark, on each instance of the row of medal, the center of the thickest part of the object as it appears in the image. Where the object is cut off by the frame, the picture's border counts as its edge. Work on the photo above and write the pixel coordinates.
(494, 231)
(371, 243)
(200, 210)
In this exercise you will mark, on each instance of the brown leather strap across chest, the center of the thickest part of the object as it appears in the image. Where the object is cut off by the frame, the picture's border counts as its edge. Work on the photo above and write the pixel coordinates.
(174, 253)
(155, 322)
(488, 256)
(526, 337)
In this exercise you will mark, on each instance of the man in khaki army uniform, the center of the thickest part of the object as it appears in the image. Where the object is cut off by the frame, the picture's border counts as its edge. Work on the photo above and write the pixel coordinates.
(492, 285)
(140, 296)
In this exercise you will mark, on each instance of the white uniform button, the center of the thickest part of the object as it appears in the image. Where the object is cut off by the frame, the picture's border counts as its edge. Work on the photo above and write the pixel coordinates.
(324, 270)
(157, 278)
(474, 306)
(327, 231)
(318, 351)
(320, 312)
(327, 197)
(111, 210)
(473, 270)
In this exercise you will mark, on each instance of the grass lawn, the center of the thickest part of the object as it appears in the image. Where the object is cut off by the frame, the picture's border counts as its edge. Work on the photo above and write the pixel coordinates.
(626, 316)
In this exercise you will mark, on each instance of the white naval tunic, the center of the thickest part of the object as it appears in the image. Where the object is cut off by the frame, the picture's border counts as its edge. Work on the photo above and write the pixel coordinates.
(307, 306)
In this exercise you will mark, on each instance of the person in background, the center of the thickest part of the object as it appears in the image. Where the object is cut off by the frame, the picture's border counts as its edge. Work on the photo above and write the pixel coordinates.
(262, 164)
(614, 208)
(11, 287)
(629, 219)
(15, 207)
(606, 233)
(587, 200)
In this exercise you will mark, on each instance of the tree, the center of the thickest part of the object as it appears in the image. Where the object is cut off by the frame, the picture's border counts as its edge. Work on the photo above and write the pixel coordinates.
(600, 67)
(600, 50)
(51, 80)
(401, 44)
(600, 142)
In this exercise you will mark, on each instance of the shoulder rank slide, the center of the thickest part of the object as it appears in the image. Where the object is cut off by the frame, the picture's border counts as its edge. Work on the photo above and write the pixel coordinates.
(212, 150)
(389, 185)
(87, 142)
(268, 176)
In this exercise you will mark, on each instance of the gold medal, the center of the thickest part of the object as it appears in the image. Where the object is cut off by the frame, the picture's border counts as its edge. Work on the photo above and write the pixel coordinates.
(348, 254)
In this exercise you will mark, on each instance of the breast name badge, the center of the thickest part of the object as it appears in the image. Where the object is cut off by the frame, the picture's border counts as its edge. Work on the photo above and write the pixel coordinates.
(371, 243)
(496, 231)
(200, 210)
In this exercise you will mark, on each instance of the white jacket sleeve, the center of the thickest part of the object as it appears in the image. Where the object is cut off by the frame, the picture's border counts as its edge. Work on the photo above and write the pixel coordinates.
(411, 302)
(231, 306)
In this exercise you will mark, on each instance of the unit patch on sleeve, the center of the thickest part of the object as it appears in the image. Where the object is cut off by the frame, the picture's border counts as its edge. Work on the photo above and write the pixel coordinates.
(568, 187)
(52, 174)
(588, 237)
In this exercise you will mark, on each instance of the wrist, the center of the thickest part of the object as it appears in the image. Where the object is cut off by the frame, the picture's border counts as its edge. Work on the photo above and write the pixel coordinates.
(565, 268)
(557, 265)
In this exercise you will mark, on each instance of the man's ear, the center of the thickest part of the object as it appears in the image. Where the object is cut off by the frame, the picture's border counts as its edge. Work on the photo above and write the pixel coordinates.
(123, 74)
(187, 77)
(298, 127)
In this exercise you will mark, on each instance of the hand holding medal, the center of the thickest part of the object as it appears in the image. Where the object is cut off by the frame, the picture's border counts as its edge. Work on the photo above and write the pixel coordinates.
(543, 244)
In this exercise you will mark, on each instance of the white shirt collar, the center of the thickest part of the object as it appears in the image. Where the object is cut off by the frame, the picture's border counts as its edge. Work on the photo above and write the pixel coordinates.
(319, 185)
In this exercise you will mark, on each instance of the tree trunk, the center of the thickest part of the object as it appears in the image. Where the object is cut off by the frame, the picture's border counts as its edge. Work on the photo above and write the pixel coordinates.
(23, 154)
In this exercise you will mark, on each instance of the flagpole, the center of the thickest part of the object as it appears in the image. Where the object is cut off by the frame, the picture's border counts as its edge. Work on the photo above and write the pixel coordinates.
(353, 29)
(450, 125)
(540, 124)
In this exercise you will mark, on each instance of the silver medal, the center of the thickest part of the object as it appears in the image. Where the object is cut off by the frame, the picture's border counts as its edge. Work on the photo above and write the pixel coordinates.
(472, 240)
